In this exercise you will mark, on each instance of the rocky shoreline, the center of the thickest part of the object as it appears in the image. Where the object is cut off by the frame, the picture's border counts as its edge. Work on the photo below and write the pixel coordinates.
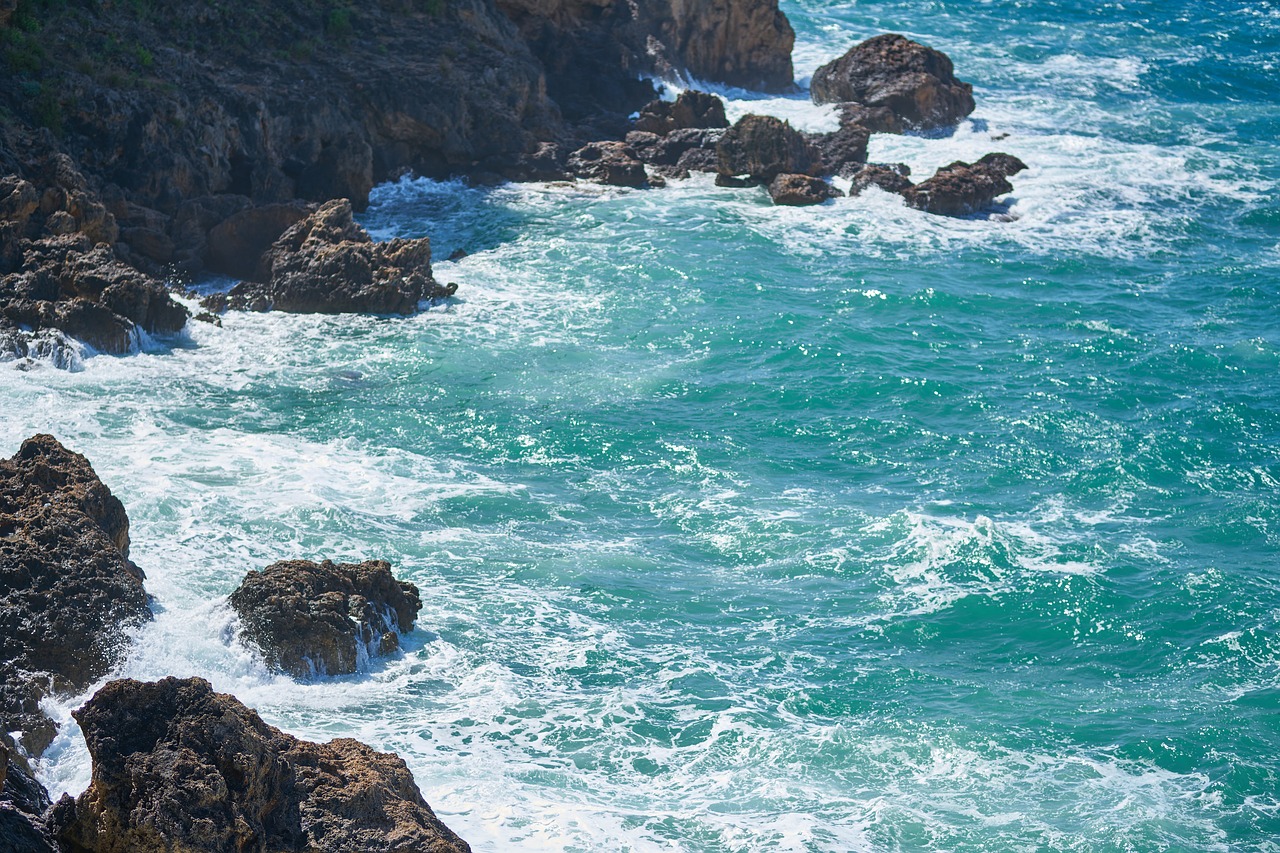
(142, 145)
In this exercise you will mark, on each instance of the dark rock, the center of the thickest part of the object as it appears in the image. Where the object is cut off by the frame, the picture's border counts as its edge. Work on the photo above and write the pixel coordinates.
(236, 244)
(699, 160)
(311, 618)
(963, 188)
(667, 150)
(545, 163)
(23, 802)
(458, 254)
(874, 119)
(611, 163)
(689, 110)
(68, 591)
(327, 264)
(763, 147)
(844, 151)
(177, 766)
(891, 179)
(797, 190)
(915, 82)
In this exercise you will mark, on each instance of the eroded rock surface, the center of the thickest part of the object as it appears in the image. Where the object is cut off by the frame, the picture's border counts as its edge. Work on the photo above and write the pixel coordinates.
(327, 264)
(68, 591)
(894, 178)
(914, 82)
(963, 188)
(179, 767)
(799, 190)
(322, 618)
(23, 803)
(763, 147)
(690, 109)
(613, 163)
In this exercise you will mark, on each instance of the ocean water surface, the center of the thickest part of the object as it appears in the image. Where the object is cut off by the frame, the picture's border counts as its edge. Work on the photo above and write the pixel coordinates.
(743, 528)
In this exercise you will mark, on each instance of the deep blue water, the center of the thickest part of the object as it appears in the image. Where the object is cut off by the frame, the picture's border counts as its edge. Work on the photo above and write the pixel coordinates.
(744, 528)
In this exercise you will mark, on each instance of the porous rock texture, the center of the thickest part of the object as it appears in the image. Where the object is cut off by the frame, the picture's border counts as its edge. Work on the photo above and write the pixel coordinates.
(763, 147)
(963, 188)
(319, 618)
(799, 190)
(23, 803)
(68, 591)
(178, 767)
(916, 83)
(326, 263)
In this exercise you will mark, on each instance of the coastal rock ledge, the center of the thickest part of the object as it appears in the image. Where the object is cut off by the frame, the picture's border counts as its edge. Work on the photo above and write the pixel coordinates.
(323, 618)
(177, 766)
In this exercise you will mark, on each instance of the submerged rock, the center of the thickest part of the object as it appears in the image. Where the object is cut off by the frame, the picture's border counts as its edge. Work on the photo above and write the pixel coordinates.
(327, 264)
(797, 190)
(68, 591)
(915, 82)
(763, 147)
(963, 188)
(891, 179)
(612, 163)
(177, 766)
(310, 618)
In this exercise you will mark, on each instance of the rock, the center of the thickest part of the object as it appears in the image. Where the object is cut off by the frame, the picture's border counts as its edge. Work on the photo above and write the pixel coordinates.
(23, 802)
(311, 618)
(891, 179)
(667, 150)
(796, 190)
(689, 110)
(916, 83)
(763, 147)
(874, 119)
(611, 163)
(545, 163)
(236, 244)
(68, 591)
(963, 188)
(177, 766)
(458, 254)
(327, 264)
(843, 152)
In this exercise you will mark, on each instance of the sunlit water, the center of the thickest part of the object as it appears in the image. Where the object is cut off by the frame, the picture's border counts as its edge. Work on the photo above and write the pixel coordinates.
(738, 527)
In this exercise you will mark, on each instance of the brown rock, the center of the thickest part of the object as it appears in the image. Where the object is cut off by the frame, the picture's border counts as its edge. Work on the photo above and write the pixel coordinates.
(611, 163)
(236, 244)
(891, 179)
(689, 110)
(797, 190)
(763, 147)
(963, 188)
(916, 83)
(179, 767)
(323, 618)
(843, 152)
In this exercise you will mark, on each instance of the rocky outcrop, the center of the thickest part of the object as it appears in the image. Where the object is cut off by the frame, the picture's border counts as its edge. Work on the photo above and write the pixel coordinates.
(763, 147)
(68, 591)
(680, 151)
(23, 803)
(690, 109)
(235, 246)
(612, 163)
(963, 188)
(914, 82)
(326, 263)
(60, 271)
(323, 618)
(177, 766)
(798, 190)
(842, 152)
(892, 179)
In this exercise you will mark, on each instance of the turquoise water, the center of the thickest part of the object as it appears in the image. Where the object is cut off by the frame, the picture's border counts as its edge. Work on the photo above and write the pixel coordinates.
(744, 528)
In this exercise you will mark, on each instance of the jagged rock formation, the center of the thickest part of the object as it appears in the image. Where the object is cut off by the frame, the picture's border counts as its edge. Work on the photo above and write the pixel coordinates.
(963, 188)
(310, 618)
(916, 83)
(798, 190)
(690, 109)
(842, 152)
(68, 590)
(326, 263)
(23, 803)
(611, 163)
(763, 147)
(177, 766)
(892, 179)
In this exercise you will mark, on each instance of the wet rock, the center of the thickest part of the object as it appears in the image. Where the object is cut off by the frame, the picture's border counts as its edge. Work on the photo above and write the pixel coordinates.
(669, 149)
(892, 179)
(327, 264)
(874, 119)
(798, 190)
(690, 109)
(235, 245)
(963, 188)
(915, 82)
(68, 591)
(545, 163)
(177, 766)
(23, 802)
(763, 147)
(322, 618)
(612, 163)
(842, 152)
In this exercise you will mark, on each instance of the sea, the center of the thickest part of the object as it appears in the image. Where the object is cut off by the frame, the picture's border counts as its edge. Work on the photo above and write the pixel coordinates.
(751, 528)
